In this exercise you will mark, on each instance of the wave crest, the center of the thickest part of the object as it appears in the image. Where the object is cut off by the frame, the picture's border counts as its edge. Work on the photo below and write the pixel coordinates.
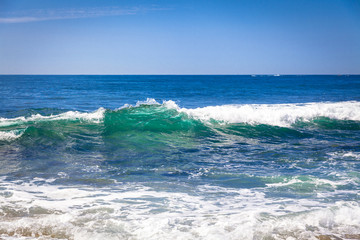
(95, 117)
(11, 135)
(282, 115)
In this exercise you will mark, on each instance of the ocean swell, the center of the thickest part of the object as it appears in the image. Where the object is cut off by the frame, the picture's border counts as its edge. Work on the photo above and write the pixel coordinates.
(168, 117)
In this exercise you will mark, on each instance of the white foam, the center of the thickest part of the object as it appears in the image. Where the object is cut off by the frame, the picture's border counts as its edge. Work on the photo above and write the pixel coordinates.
(96, 117)
(277, 114)
(285, 183)
(353, 155)
(318, 182)
(283, 115)
(137, 212)
(11, 135)
(148, 101)
(338, 220)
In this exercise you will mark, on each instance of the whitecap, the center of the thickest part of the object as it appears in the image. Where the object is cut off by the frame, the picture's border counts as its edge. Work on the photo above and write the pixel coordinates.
(96, 117)
(283, 115)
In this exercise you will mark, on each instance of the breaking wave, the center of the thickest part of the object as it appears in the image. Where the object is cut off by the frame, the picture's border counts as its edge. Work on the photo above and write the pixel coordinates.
(169, 117)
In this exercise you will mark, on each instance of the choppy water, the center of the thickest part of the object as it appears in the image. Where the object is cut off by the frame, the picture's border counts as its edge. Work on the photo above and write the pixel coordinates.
(183, 157)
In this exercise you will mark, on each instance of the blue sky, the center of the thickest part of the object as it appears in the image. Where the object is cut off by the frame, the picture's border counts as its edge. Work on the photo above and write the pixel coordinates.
(180, 37)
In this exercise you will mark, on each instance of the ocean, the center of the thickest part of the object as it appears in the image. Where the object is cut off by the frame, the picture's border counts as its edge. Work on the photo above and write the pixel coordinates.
(179, 157)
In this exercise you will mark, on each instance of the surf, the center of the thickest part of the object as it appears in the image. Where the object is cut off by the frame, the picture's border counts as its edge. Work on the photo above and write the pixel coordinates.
(169, 117)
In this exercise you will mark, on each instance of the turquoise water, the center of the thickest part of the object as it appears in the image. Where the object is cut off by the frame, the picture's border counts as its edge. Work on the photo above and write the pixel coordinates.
(185, 157)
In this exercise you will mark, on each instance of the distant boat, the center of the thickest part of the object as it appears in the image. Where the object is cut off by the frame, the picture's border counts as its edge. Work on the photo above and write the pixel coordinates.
(276, 75)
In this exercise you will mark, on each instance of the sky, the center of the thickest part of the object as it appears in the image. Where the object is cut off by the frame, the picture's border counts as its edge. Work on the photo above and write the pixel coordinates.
(180, 37)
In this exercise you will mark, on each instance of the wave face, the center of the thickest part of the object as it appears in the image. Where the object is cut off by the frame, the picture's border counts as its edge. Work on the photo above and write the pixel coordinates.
(152, 116)
(203, 169)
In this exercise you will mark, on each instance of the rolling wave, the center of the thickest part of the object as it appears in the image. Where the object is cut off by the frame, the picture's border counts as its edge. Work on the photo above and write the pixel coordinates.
(283, 115)
(168, 117)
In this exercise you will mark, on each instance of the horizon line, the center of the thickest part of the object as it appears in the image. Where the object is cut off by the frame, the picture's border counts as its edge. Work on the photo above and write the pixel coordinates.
(175, 74)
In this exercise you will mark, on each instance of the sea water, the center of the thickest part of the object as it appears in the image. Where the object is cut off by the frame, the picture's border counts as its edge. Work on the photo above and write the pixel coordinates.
(179, 157)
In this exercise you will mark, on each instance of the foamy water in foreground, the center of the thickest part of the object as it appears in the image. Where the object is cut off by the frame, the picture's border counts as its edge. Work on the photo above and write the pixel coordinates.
(39, 209)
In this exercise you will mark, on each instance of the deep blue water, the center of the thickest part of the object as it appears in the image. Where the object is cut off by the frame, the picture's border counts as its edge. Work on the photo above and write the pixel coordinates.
(92, 92)
(188, 157)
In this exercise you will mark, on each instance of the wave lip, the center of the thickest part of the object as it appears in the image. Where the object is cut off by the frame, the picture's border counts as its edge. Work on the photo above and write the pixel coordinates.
(283, 115)
(96, 116)
(11, 135)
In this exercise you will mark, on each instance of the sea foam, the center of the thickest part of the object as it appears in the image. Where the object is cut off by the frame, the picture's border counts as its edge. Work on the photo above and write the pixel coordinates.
(283, 115)
(11, 135)
(137, 212)
(95, 117)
